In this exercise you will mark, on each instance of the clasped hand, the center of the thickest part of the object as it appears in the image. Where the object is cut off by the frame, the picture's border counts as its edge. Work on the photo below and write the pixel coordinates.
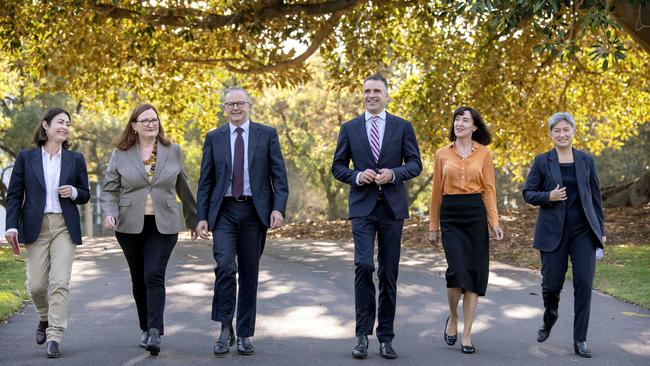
(370, 176)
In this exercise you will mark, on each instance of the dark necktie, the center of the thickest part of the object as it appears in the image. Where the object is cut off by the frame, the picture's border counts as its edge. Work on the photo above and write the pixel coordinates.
(238, 165)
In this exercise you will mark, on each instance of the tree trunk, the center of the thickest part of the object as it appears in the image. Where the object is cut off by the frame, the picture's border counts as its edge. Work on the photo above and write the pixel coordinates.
(635, 194)
(635, 19)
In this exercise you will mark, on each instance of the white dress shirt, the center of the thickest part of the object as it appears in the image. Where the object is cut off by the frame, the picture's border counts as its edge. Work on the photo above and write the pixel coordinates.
(233, 137)
(381, 127)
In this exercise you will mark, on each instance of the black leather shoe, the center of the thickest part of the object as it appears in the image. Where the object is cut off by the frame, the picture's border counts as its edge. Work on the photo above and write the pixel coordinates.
(360, 350)
(53, 349)
(451, 340)
(153, 343)
(144, 337)
(244, 346)
(580, 348)
(40, 332)
(543, 334)
(226, 339)
(386, 350)
(467, 349)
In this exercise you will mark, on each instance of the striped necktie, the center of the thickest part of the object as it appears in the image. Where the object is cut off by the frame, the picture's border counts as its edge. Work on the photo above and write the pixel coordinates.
(374, 138)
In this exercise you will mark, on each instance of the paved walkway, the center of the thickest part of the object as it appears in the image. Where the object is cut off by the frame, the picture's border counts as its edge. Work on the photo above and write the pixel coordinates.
(306, 315)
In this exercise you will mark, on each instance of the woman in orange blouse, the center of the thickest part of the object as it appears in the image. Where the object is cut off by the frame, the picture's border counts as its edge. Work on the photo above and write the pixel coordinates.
(463, 202)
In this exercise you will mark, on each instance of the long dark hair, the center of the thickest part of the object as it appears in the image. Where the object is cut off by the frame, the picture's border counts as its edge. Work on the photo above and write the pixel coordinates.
(481, 135)
(40, 135)
(129, 137)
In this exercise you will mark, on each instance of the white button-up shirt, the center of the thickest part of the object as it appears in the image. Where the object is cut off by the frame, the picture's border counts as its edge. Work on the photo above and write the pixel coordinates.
(51, 173)
(381, 126)
(233, 137)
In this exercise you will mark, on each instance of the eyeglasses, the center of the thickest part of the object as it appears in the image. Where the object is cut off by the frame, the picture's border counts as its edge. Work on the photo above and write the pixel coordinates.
(231, 105)
(149, 122)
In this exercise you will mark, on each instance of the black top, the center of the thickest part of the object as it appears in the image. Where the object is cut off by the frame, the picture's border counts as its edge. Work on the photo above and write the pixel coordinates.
(574, 211)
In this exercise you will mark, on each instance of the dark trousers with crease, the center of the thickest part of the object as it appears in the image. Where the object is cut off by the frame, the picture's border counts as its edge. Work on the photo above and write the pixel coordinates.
(238, 242)
(147, 254)
(578, 243)
(379, 224)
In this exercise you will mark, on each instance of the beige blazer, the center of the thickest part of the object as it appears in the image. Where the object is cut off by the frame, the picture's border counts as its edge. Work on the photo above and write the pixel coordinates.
(126, 186)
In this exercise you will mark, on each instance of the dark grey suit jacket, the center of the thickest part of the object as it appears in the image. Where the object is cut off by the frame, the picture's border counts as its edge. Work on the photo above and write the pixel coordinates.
(543, 177)
(266, 170)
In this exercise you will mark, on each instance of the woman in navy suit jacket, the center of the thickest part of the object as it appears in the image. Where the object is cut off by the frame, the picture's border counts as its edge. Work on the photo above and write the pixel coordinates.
(47, 183)
(564, 183)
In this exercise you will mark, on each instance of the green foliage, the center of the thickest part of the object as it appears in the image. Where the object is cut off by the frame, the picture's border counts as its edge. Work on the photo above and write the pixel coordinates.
(624, 273)
(12, 283)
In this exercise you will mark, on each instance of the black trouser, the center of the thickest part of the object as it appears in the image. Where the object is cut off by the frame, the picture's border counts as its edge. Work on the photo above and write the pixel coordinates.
(238, 234)
(147, 254)
(380, 224)
(579, 243)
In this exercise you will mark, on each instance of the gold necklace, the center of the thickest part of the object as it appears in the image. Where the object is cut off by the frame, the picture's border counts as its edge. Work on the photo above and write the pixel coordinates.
(152, 159)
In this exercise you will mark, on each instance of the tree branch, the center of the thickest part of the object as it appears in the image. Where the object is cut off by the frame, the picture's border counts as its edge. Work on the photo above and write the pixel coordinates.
(203, 19)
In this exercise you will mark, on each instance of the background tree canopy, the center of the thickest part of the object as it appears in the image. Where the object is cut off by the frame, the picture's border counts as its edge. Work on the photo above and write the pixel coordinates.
(515, 61)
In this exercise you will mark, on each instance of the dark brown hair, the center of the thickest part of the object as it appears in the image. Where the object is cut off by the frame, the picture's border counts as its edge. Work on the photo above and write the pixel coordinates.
(40, 135)
(129, 137)
(378, 77)
(481, 135)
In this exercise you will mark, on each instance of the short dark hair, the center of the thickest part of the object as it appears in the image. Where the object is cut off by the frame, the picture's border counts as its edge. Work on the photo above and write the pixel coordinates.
(378, 77)
(40, 135)
(481, 135)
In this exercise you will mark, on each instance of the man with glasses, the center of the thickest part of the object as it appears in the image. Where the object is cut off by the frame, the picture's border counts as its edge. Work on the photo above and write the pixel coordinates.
(242, 192)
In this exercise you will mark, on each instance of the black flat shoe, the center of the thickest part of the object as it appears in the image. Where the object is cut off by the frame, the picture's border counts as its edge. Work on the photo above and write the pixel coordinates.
(53, 349)
(244, 346)
(386, 350)
(580, 348)
(543, 334)
(451, 340)
(225, 341)
(40, 332)
(467, 349)
(360, 350)
(144, 337)
(153, 343)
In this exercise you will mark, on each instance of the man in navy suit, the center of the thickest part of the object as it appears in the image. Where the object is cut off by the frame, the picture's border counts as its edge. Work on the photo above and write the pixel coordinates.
(242, 192)
(385, 154)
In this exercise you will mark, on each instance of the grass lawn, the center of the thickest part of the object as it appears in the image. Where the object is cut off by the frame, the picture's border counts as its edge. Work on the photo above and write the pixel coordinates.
(12, 282)
(625, 273)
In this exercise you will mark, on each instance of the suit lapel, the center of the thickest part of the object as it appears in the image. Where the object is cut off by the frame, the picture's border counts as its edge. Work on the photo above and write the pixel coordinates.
(37, 165)
(581, 172)
(222, 146)
(162, 152)
(360, 128)
(554, 167)
(134, 155)
(389, 131)
(66, 164)
(253, 136)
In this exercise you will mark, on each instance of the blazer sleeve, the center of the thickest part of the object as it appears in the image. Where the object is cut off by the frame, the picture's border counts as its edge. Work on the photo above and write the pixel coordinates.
(111, 187)
(533, 191)
(184, 191)
(596, 194)
(412, 166)
(341, 163)
(15, 192)
(206, 181)
(278, 174)
(81, 184)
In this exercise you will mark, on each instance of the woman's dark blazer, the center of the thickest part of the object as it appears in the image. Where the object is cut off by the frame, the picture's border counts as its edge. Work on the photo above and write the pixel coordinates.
(543, 177)
(26, 193)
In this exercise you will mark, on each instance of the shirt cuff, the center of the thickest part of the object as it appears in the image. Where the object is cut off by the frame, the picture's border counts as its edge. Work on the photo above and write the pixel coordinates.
(393, 173)
(356, 180)
(12, 230)
(74, 194)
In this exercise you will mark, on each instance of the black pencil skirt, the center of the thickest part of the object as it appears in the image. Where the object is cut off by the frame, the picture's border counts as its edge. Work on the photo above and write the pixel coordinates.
(465, 238)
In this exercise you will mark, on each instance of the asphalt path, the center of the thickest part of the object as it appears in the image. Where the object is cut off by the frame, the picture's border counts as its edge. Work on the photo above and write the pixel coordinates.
(306, 314)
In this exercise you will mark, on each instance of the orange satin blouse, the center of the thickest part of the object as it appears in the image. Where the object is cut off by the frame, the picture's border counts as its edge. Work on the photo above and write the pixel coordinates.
(454, 175)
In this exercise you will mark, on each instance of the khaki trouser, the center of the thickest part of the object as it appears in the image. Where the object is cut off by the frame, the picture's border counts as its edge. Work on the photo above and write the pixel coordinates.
(49, 266)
